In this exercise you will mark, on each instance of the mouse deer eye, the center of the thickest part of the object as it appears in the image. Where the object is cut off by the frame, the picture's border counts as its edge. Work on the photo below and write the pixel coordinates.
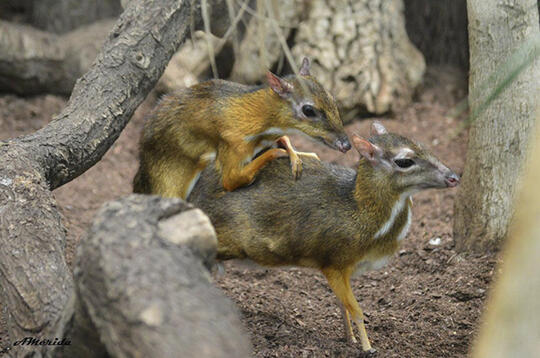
(309, 111)
(404, 163)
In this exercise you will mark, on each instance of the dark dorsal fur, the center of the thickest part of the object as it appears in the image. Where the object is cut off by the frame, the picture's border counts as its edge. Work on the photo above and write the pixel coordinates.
(315, 221)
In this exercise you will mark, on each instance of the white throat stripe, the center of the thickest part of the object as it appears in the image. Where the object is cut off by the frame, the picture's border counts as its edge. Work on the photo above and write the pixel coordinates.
(396, 210)
(406, 227)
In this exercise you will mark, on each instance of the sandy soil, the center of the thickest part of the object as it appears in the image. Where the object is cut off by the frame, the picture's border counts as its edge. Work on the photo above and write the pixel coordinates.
(425, 303)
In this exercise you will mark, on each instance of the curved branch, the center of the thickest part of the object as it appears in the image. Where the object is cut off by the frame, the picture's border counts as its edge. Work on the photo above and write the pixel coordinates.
(103, 100)
(36, 286)
(34, 61)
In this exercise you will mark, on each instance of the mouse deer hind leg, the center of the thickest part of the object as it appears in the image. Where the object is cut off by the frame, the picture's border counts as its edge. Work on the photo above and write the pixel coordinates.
(236, 174)
(347, 326)
(339, 282)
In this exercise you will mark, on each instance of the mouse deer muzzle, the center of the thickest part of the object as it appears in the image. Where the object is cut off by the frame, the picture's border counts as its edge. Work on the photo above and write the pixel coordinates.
(343, 144)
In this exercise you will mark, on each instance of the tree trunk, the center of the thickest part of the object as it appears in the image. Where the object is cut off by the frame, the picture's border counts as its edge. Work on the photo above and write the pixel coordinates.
(499, 135)
(439, 30)
(34, 61)
(260, 47)
(361, 53)
(61, 16)
(36, 287)
(512, 320)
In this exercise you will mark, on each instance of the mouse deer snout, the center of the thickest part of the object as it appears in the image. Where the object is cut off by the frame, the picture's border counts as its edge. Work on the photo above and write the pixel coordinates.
(451, 179)
(343, 144)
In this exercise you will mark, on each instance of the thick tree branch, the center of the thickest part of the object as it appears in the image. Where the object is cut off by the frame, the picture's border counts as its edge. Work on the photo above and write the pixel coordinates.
(35, 282)
(141, 279)
(36, 286)
(34, 61)
(103, 100)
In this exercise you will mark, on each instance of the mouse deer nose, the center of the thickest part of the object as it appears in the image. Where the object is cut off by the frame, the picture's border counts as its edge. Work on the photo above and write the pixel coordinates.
(343, 144)
(451, 179)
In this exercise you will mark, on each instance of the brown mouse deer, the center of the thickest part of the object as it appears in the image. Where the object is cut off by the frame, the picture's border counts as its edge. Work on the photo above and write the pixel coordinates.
(228, 124)
(334, 219)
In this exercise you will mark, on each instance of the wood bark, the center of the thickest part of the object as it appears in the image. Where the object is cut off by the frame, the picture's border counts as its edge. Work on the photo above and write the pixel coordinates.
(260, 48)
(34, 61)
(62, 16)
(35, 282)
(141, 279)
(499, 135)
(36, 287)
(439, 30)
(511, 326)
(359, 50)
(361, 53)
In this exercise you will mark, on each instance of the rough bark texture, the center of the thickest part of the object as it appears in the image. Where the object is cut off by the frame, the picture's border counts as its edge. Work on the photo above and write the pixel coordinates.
(133, 57)
(439, 30)
(35, 282)
(61, 16)
(361, 52)
(188, 65)
(260, 48)
(141, 279)
(498, 138)
(37, 291)
(34, 61)
(512, 323)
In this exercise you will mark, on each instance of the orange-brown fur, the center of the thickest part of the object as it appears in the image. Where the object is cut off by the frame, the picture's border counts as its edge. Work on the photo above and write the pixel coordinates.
(227, 120)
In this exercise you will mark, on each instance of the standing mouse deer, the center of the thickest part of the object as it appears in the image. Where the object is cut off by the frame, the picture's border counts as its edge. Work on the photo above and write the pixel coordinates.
(333, 219)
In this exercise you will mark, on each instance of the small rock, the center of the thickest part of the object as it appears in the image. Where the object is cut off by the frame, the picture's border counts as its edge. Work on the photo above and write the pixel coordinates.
(152, 316)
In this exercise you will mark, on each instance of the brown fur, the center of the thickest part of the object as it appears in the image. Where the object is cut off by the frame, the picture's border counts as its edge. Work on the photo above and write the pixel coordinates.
(326, 220)
(227, 120)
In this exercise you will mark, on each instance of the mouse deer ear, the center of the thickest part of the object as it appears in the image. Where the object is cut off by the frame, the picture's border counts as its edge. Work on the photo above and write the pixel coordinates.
(282, 87)
(367, 149)
(377, 128)
(304, 69)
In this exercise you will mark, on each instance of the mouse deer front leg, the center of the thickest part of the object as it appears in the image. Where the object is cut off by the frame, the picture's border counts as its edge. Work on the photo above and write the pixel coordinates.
(296, 162)
(339, 282)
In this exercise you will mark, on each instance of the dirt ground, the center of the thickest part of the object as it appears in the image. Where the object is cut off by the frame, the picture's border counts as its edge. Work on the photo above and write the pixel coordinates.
(425, 303)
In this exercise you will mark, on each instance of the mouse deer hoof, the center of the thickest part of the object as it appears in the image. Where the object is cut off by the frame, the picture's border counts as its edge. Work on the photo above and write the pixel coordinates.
(369, 353)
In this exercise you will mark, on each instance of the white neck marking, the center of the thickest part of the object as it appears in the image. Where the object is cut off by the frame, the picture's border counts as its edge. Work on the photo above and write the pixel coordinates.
(406, 227)
(192, 184)
(270, 131)
(396, 210)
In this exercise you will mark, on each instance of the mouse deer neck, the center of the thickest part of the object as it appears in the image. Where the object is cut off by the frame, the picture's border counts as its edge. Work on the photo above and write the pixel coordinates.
(265, 113)
(374, 187)
(388, 205)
